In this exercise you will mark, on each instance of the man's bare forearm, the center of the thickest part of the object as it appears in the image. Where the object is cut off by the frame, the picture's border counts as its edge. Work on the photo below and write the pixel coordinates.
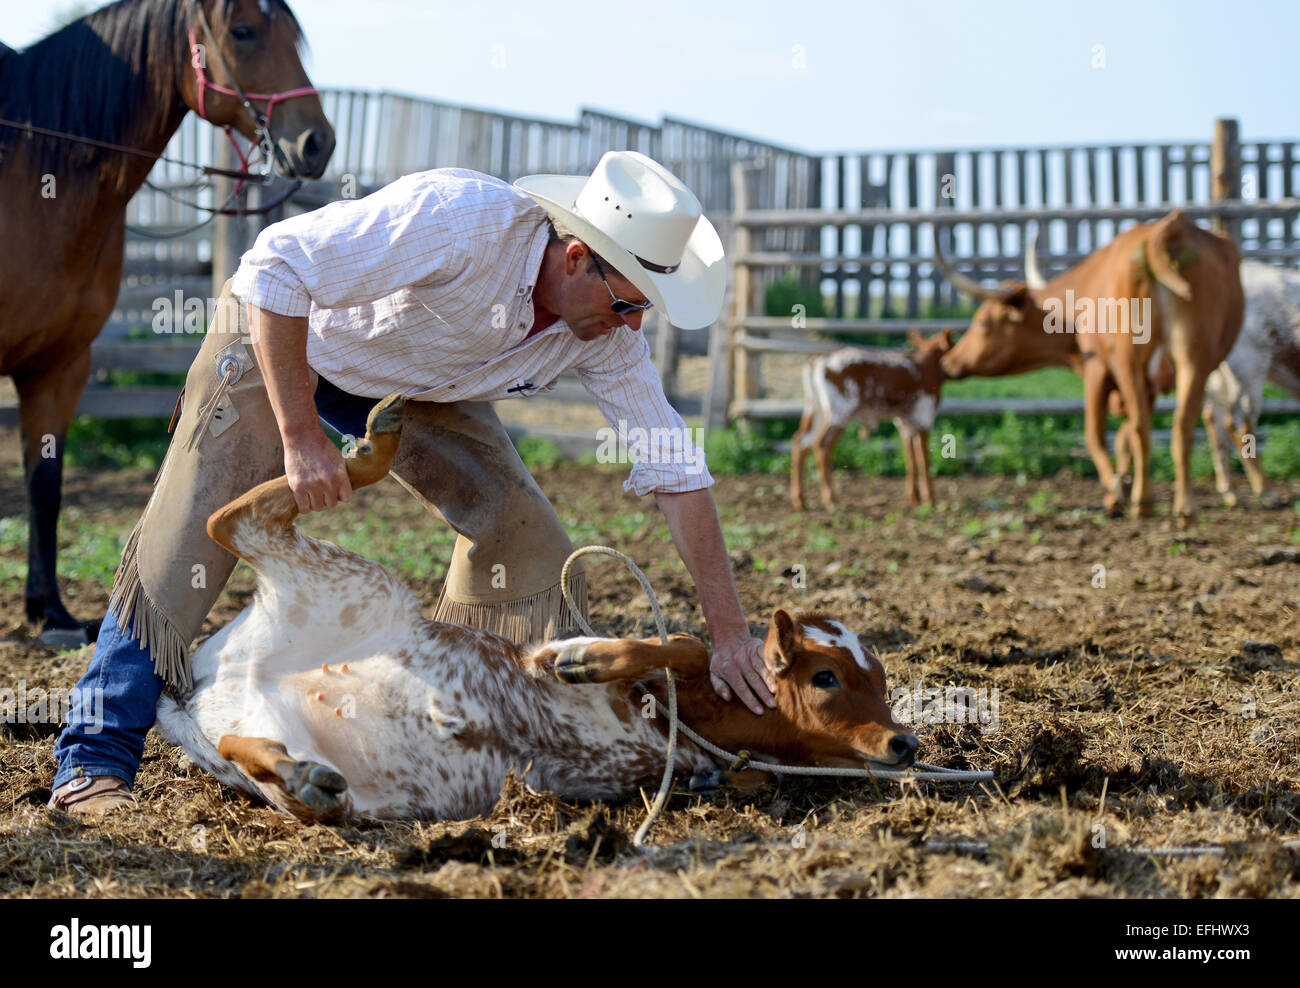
(280, 345)
(313, 466)
(693, 521)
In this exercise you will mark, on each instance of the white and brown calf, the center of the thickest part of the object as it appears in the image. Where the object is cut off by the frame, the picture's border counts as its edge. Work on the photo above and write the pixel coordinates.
(868, 386)
(330, 695)
(1268, 348)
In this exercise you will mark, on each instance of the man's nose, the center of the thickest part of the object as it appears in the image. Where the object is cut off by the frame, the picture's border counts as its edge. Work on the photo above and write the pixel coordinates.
(633, 320)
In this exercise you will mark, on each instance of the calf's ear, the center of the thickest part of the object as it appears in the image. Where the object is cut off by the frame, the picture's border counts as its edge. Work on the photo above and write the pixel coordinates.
(782, 639)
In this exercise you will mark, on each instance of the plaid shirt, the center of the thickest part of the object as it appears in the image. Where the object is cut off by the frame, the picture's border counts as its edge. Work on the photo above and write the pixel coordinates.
(426, 288)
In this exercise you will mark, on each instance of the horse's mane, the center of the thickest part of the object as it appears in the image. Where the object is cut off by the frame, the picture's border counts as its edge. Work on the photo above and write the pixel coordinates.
(92, 77)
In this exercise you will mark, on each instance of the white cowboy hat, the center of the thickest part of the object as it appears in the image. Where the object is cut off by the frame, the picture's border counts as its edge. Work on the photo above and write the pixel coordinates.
(637, 215)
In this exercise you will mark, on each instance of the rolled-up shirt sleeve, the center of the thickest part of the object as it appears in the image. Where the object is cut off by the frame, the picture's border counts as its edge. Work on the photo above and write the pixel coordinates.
(626, 387)
(353, 252)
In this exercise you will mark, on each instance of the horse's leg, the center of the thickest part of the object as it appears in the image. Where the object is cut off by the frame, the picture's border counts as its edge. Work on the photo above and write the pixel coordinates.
(319, 788)
(47, 401)
(604, 660)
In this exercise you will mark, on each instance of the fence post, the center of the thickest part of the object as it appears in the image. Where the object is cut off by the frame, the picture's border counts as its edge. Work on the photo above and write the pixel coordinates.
(1225, 172)
(230, 233)
(747, 383)
(945, 197)
(666, 340)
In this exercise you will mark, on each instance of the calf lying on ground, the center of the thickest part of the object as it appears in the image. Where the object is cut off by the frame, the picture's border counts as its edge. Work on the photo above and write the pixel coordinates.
(331, 696)
(855, 383)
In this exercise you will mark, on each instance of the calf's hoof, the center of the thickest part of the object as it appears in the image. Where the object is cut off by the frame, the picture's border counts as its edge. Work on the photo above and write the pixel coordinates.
(572, 664)
(1183, 520)
(1229, 499)
(316, 785)
(706, 783)
(1143, 509)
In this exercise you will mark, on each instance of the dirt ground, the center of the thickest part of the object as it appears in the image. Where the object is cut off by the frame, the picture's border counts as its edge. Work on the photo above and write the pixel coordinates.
(1156, 711)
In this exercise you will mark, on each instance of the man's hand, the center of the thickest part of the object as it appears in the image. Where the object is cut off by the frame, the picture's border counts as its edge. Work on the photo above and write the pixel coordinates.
(738, 665)
(317, 475)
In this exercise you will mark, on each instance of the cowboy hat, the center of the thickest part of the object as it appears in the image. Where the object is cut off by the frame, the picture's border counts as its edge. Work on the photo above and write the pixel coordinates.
(635, 213)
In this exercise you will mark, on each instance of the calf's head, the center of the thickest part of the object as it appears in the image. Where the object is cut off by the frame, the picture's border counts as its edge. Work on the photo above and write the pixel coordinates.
(832, 706)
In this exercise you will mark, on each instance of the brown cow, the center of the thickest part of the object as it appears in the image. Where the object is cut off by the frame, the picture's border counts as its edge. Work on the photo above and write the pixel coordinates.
(1164, 287)
(870, 385)
(331, 696)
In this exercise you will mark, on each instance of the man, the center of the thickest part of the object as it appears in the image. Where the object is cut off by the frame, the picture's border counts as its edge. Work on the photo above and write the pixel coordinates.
(454, 289)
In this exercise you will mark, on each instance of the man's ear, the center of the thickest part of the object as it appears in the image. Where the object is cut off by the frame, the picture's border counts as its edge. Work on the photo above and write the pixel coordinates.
(576, 257)
(782, 639)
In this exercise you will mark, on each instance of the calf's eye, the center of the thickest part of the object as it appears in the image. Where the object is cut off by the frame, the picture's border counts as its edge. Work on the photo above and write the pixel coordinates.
(825, 680)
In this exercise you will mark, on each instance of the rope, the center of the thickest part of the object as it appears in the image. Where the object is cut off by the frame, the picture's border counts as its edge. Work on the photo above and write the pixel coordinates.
(665, 786)
(738, 760)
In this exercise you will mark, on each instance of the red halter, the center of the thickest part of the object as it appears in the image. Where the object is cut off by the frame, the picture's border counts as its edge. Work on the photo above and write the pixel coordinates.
(262, 123)
(271, 98)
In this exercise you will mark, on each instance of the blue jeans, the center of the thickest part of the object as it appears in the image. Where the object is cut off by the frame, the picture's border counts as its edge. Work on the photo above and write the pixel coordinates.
(128, 690)
(123, 673)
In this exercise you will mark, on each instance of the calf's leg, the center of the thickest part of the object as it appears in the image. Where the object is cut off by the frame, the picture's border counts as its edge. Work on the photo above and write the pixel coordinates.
(1095, 393)
(1218, 436)
(319, 788)
(1254, 473)
(825, 452)
(921, 442)
(597, 660)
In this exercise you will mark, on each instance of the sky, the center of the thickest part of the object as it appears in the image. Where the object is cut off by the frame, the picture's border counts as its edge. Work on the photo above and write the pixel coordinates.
(822, 76)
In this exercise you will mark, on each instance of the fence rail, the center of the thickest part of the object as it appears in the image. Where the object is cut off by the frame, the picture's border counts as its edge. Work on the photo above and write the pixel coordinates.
(854, 224)
(882, 212)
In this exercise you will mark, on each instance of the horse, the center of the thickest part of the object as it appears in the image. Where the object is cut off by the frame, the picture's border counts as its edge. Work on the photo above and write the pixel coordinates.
(120, 81)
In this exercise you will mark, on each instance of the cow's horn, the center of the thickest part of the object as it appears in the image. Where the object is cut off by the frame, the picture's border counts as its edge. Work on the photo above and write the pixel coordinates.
(1033, 276)
(964, 284)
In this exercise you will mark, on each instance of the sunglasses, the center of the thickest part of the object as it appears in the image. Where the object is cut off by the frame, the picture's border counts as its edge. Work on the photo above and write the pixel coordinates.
(619, 306)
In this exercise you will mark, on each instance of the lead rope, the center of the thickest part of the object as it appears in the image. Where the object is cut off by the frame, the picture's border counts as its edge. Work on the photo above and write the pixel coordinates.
(737, 761)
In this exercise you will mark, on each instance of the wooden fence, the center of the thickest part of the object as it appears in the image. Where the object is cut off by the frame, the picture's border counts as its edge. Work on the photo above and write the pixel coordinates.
(382, 136)
(883, 209)
(856, 224)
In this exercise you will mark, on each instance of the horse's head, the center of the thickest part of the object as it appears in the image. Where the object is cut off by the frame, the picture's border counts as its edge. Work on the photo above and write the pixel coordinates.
(250, 47)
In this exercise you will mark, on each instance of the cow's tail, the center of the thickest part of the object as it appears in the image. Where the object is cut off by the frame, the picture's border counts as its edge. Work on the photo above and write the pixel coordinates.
(1168, 251)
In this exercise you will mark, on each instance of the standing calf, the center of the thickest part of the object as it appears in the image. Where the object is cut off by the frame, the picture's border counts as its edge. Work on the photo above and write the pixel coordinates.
(1268, 347)
(870, 385)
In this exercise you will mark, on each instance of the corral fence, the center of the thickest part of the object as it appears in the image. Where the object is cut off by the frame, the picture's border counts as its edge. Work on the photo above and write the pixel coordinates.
(875, 232)
(174, 263)
(854, 224)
